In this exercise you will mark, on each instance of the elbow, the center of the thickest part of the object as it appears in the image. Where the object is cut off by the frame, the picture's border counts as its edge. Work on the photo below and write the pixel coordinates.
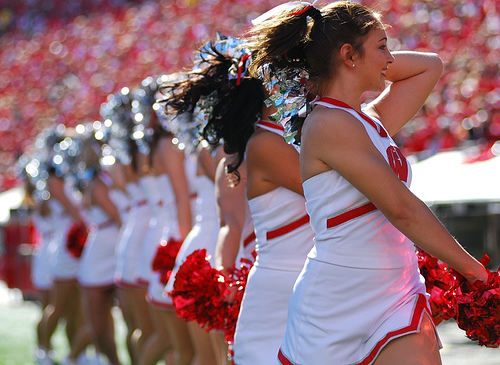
(403, 215)
(437, 64)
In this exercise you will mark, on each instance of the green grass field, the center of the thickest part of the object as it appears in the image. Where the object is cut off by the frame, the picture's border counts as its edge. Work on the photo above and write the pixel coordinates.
(18, 320)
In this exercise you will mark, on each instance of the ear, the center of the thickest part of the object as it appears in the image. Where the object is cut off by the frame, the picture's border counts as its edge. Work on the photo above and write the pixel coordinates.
(346, 54)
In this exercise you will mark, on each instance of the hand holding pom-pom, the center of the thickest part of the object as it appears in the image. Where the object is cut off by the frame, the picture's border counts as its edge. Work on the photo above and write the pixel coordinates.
(203, 294)
(478, 308)
(164, 260)
(76, 238)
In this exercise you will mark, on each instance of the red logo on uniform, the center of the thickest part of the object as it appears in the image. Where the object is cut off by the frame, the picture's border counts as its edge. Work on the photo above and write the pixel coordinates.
(398, 163)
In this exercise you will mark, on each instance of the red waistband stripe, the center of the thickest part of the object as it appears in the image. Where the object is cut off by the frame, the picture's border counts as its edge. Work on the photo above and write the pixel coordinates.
(250, 238)
(288, 228)
(350, 214)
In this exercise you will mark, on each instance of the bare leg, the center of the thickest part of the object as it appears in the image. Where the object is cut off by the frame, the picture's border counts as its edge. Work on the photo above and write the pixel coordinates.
(202, 342)
(221, 347)
(157, 345)
(183, 346)
(99, 305)
(82, 341)
(123, 300)
(413, 349)
(44, 299)
(144, 322)
(62, 302)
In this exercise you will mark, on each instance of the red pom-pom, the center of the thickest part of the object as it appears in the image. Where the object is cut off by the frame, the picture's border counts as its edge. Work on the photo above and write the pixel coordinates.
(478, 308)
(438, 282)
(164, 260)
(200, 293)
(76, 238)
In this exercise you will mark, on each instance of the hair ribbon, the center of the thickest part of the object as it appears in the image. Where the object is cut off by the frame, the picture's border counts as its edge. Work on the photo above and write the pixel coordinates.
(241, 64)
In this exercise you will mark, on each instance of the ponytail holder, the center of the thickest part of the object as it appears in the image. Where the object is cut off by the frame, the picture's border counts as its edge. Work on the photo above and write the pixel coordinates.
(302, 11)
(281, 8)
(241, 64)
(310, 11)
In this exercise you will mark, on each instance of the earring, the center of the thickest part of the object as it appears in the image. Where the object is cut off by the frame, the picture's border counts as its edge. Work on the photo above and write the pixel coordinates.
(353, 64)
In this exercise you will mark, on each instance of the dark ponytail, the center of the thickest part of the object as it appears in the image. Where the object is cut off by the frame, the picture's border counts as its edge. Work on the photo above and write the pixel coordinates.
(236, 106)
(308, 38)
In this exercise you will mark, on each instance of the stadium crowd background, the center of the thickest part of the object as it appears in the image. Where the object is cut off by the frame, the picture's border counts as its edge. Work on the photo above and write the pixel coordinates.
(60, 59)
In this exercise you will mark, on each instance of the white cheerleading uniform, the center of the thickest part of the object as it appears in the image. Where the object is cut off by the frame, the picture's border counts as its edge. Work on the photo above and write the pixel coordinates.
(205, 231)
(157, 224)
(248, 243)
(360, 287)
(98, 262)
(284, 238)
(41, 275)
(132, 237)
(64, 266)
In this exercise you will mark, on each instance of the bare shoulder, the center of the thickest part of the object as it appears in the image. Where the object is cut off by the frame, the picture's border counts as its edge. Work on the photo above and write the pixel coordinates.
(325, 125)
(262, 143)
(330, 138)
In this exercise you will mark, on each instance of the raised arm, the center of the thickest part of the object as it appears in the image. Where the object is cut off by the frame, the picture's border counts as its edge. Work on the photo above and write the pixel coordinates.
(412, 76)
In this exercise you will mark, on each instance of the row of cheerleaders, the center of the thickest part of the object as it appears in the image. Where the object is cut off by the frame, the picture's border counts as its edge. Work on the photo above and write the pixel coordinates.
(163, 218)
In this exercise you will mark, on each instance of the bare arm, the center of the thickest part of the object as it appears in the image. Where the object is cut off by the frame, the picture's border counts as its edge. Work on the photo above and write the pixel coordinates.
(343, 145)
(173, 161)
(231, 207)
(271, 162)
(100, 197)
(58, 191)
(413, 75)
(206, 162)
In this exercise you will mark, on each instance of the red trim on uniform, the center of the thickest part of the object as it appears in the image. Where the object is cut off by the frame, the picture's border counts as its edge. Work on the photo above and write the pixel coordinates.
(241, 64)
(272, 125)
(160, 203)
(106, 224)
(381, 131)
(159, 304)
(142, 282)
(141, 203)
(65, 280)
(97, 287)
(350, 214)
(420, 307)
(193, 195)
(250, 238)
(126, 284)
(288, 228)
(282, 359)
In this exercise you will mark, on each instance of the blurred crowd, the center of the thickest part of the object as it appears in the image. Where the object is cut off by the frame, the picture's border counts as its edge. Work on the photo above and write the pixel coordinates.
(125, 188)
(60, 59)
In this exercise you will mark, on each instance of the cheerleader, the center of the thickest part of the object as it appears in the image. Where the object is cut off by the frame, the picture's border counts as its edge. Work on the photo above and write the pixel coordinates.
(236, 239)
(178, 195)
(360, 298)
(41, 276)
(203, 235)
(274, 193)
(98, 263)
(66, 212)
(136, 168)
